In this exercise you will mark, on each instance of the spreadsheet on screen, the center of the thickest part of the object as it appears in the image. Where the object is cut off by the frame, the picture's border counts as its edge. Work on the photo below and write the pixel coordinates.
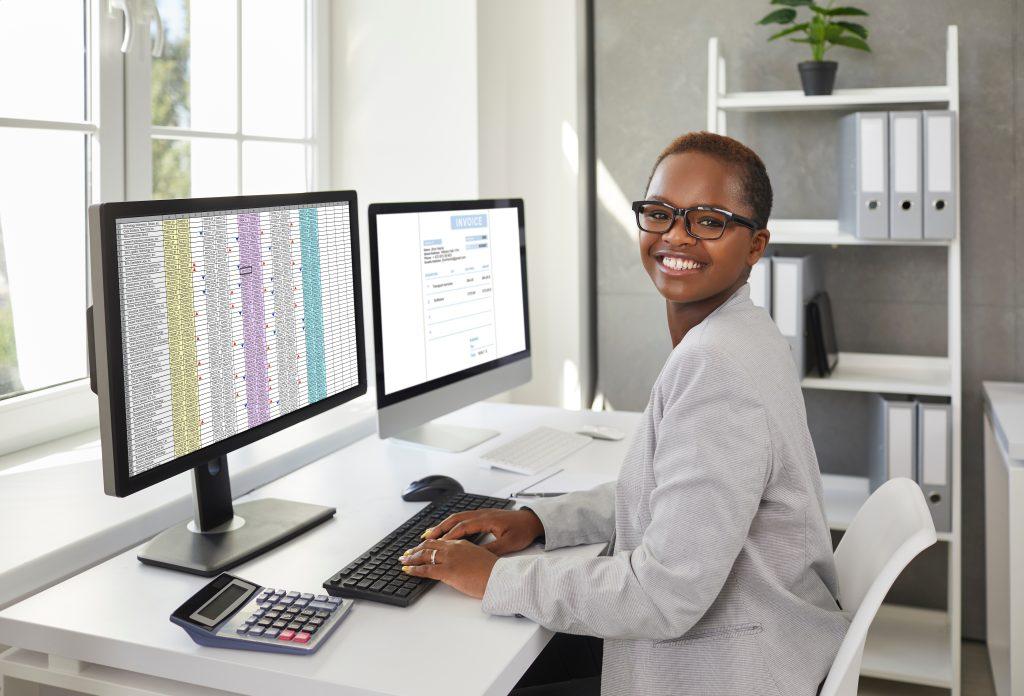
(230, 319)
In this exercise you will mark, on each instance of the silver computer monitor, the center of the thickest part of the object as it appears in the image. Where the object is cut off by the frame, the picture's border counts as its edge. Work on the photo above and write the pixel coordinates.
(217, 322)
(451, 323)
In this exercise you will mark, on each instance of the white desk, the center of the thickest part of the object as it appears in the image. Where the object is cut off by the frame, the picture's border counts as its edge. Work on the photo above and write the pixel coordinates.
(1004, 534)
(56, 521)
(107, 630)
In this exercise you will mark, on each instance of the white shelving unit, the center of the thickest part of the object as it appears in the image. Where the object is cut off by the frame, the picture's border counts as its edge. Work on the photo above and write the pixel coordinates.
(906, 644)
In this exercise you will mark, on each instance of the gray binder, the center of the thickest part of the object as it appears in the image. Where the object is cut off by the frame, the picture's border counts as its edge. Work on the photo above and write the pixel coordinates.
(894, 454)
(864, 174)
(934, 461)
(939, 130)
(760, 281)
(905, 218)
(795, 280)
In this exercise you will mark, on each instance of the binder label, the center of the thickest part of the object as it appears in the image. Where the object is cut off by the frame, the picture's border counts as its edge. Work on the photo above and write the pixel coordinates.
(934, 448)
(940, 153)
(786, 302)
(905, 139)
(872, 155)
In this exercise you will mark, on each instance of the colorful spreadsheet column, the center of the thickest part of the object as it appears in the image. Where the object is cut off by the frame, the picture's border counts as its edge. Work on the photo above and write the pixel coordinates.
(255, 339)
(316, 367)
(181, 336)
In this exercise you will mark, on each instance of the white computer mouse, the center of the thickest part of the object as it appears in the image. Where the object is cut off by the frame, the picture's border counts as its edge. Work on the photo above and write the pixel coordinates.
(601, 432)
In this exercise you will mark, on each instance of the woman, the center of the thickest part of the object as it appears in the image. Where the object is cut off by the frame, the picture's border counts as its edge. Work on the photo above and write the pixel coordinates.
(721, 578)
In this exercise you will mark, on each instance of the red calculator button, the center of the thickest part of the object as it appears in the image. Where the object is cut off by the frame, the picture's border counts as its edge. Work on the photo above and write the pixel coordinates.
(301, 637)
(286, 635)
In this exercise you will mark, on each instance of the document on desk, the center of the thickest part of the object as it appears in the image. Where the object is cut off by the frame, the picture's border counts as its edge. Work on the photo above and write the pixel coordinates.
(561, 482)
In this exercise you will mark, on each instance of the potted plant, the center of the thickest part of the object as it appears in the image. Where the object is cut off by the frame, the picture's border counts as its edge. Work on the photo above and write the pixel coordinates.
(822, 31)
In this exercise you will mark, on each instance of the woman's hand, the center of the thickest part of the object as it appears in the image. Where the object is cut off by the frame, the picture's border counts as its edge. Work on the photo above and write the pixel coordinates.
(461, 564)
(514, 530)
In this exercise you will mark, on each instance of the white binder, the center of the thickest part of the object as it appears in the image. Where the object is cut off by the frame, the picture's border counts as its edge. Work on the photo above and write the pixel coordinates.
(760, 281)
(940, 206)
(934, 461)
(864, 174)
(895, 451)
(905, 218)
(795, 280)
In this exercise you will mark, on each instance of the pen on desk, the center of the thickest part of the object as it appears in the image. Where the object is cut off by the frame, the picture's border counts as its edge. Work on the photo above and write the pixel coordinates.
(520, 492)
(541, 495)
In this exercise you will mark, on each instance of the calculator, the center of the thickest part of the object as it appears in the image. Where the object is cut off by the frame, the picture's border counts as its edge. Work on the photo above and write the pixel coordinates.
(230, 612)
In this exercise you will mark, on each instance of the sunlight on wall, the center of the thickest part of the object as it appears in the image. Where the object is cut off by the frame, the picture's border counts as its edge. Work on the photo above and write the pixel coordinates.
(572, 394)
(571, 147)
(614, 201)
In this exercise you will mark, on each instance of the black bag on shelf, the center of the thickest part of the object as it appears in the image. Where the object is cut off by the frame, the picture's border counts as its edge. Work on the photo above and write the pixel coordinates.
(821, 335)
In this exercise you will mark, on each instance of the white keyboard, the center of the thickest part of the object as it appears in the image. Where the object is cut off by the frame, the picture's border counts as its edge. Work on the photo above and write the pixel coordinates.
(535, 451)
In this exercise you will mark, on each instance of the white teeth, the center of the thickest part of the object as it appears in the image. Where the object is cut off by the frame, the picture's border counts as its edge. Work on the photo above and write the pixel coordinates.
(678, 264)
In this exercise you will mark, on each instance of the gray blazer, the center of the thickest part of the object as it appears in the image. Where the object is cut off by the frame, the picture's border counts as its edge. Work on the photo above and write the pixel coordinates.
(721, 579)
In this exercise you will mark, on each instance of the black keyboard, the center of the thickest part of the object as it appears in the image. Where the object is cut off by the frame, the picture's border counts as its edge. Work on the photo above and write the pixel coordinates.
(377, 575)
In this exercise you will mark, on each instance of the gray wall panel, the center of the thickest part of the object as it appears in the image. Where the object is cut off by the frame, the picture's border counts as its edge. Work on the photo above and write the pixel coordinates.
(651, 77)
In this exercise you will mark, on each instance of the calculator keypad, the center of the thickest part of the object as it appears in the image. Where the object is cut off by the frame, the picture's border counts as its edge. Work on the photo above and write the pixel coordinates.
(291, 617)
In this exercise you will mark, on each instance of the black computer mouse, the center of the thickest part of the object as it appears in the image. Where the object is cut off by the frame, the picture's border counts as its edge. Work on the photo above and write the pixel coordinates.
(431, 488)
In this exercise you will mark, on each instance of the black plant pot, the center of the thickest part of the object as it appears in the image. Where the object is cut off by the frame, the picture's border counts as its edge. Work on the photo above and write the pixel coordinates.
(818, 76)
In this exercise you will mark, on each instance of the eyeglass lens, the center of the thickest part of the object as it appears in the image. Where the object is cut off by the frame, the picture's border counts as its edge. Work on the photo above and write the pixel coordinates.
(706, 224)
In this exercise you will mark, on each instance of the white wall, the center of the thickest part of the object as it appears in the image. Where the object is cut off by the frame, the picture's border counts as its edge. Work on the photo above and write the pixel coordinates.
(530, 122)
(443, 99)
(404, 92)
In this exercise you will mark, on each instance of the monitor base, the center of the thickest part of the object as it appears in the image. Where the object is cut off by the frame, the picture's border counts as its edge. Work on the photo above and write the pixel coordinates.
(446, 438)
(268, 523)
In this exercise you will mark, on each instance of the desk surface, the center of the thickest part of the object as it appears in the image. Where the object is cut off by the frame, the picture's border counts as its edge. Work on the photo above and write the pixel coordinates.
(1005, 402)
(116, 613)
(55, 519)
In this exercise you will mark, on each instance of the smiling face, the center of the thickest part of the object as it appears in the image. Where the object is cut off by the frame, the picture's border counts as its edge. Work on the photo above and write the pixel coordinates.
(689, 270)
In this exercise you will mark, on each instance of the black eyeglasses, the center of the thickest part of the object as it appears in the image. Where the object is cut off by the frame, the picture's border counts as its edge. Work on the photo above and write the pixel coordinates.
(699, 221)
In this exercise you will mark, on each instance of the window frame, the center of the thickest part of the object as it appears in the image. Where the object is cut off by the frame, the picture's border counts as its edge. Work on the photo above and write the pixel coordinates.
(120, 162)
(140, 131)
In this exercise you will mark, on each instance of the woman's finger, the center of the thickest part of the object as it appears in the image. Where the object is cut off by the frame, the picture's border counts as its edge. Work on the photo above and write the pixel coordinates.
(445, 524)
(467, 527)
(423, 571)
(429, 551)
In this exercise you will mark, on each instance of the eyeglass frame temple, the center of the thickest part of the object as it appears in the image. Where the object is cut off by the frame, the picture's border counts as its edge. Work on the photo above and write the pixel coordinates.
(681, 212)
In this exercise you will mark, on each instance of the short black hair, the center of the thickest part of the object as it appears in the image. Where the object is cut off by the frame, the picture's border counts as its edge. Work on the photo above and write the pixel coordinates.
(753, 175)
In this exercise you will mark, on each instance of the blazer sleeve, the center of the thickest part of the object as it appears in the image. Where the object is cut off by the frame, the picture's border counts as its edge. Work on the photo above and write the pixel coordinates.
(711, 465)
(584, 517)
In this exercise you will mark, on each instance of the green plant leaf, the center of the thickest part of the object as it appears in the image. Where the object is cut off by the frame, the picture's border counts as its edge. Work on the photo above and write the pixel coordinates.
(853, 42)
(783, 16)
(833, 32)
(816, 32)
(806, 41)
(793, 3)
(853, 28)
(843, 11)
(788, 30)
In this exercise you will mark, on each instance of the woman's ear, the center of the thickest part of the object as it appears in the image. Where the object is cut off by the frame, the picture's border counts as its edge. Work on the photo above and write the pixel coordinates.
(758, 243)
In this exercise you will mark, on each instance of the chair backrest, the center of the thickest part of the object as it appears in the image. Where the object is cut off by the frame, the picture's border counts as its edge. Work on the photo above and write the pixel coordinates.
(889, 530)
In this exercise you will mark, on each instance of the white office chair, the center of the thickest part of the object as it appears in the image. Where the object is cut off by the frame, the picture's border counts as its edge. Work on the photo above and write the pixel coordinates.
(889, 530)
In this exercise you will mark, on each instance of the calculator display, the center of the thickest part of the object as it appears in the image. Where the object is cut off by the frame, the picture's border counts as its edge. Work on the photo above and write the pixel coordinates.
(221, 602)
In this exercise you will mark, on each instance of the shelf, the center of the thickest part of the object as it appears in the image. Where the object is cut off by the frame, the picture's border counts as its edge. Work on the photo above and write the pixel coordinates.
(796, 100)
(826, 232)
(890, 374)
(844, 496)
(908, 644)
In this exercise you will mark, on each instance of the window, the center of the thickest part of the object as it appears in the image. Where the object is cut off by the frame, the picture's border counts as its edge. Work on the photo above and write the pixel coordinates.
(233, 105)
(50, 153)
(230, 101)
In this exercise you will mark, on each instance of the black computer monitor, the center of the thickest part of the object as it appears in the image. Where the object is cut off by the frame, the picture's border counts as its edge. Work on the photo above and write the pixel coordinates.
(217, 322)
(450, 313)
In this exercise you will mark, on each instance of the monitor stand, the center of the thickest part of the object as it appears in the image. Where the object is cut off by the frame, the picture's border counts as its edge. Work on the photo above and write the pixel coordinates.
(446, 438)
(223, 535)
